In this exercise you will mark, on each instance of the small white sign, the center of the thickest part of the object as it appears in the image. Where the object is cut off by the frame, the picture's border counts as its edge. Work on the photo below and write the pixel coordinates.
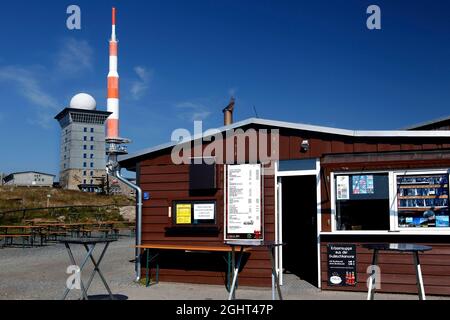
(204, 211)
(343, 188)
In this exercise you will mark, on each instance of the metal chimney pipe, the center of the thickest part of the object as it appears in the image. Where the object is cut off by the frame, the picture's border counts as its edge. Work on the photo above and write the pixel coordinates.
(227, 117)
(114, 169)
(228, 113)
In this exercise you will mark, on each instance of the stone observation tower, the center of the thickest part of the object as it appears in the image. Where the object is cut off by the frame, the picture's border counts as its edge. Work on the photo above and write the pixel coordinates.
(82, 150)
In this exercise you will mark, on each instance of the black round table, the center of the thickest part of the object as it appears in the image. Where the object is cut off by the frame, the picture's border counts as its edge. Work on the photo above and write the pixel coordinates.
(414, 249)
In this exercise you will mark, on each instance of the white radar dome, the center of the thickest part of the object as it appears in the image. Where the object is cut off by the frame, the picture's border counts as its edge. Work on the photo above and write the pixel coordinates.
(83, 101)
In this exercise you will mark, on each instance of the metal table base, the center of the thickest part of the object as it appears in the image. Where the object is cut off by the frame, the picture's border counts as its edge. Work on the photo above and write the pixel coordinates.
(236, 265)
(405, 248)
(89, 245)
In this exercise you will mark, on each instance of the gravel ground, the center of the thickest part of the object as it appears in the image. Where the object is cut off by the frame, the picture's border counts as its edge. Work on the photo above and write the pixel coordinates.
(39, 274)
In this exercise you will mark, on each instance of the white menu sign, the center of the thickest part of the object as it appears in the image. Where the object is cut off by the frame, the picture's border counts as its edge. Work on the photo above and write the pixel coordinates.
(204, 211)
(244, 202)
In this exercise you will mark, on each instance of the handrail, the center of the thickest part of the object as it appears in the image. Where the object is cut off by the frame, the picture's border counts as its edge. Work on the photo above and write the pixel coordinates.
(64, 207)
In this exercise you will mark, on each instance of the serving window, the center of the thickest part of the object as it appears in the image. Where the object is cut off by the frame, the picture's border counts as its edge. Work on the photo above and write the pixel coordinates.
(393, 201)
(362, 202)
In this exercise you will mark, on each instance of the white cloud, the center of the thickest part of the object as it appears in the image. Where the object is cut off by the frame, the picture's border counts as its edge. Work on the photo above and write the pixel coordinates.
(139, 87)
(74, 57)
(28, 86)
(192, 111)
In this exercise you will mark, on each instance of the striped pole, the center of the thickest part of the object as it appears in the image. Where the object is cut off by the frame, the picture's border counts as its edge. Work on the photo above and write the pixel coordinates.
(112, 124)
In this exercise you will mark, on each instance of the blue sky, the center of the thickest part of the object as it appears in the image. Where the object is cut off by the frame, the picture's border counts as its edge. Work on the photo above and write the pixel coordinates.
(302, 61)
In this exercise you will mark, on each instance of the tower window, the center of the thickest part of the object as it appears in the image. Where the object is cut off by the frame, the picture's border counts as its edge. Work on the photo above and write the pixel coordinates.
(92, 164)
(92, 138)
(84, 164)
(92, 147)
(85, 147)
(92, 173)
(85, 156)
(92, 130)
(92, 156)
(84, 173)
(85, 129)
(85, 138)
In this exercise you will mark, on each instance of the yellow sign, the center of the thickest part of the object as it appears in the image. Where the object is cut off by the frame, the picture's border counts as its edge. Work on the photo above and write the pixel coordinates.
(184, 213)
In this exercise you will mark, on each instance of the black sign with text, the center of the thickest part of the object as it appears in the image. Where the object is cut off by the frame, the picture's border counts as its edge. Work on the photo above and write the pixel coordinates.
(342, 265)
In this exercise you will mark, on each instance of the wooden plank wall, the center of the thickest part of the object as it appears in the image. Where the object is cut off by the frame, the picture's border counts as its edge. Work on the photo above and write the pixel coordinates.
(397, 270)
(167, 183)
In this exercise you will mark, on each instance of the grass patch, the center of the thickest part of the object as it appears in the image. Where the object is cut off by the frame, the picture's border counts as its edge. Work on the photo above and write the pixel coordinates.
(22, 203)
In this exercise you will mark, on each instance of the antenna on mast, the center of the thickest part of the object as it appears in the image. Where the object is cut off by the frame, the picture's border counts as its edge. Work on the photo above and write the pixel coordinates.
(256, 112)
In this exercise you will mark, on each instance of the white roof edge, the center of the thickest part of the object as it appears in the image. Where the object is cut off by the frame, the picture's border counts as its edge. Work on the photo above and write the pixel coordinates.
(305, 127)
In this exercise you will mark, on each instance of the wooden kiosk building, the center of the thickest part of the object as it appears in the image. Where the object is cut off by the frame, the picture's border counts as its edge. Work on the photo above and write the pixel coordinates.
(326, 186)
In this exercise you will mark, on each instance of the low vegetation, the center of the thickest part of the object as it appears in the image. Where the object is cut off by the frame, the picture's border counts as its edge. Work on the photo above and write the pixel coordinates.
(21, 203)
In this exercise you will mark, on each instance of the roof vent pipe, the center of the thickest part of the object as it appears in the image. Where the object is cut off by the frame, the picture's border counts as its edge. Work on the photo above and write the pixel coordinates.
(228, 113)
(113, 169)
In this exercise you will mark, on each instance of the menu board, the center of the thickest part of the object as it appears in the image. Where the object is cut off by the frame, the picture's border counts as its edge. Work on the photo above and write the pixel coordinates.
(342, 265)
(244, 219)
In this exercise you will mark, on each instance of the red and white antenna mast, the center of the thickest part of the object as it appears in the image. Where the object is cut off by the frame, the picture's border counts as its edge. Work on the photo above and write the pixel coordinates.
(115, 144)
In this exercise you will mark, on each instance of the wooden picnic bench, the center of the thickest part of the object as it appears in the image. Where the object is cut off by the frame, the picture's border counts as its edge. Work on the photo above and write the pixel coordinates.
(55, 230)
(186, 248)
(117, 230)
(20, 233)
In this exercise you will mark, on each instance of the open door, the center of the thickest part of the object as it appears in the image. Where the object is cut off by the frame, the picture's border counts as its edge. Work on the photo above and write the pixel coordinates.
(298, 195)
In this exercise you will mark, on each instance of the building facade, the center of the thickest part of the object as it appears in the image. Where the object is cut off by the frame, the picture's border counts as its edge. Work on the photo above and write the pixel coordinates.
(327, 187)
(29, 179)
(82, 149)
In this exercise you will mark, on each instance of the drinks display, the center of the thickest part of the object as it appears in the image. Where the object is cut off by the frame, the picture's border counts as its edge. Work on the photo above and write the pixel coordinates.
(423, 201)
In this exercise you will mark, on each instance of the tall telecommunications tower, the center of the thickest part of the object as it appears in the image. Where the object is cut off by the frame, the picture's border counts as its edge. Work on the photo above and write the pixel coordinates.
(115, 145)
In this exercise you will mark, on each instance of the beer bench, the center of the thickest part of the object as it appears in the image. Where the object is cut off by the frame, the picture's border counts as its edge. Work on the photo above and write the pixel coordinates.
(21, 232)
(11, 237)
(117, 230)
(186, 248)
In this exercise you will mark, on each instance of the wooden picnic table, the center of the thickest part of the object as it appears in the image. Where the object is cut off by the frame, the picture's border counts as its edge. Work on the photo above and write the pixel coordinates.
(7, 228)
(26, 233)
(46, 225)
(188, 248)
(37, 222)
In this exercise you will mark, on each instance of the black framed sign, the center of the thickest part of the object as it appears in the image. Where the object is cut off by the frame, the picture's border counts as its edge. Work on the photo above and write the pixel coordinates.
(342, 265)
(193, 213)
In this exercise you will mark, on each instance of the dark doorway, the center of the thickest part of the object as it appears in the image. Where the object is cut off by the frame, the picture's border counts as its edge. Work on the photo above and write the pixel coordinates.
(299, 205)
